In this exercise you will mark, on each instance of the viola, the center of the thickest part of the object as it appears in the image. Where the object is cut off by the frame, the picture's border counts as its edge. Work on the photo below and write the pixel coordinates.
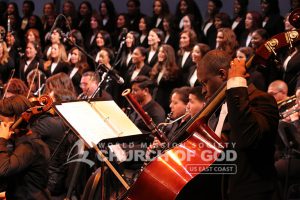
(167, 175)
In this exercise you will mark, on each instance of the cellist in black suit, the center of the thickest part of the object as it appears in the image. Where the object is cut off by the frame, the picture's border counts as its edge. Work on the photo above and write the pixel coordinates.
(253, 118)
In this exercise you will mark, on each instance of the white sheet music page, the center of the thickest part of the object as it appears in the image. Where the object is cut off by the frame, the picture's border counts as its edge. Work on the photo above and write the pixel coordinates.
(115, 118)
(97, 120)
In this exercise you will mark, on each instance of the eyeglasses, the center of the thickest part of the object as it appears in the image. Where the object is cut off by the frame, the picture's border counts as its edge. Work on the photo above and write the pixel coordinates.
(274, 93)
(83, 84)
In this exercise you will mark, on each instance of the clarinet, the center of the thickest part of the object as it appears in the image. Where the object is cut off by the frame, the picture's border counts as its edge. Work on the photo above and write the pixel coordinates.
(165, 123)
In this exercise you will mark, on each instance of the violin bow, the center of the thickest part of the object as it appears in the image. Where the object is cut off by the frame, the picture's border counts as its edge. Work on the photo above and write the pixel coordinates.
(32, 81)
(8, 83)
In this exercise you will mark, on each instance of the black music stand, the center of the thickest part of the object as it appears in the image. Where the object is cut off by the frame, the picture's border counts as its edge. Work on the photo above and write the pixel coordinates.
(98, 121)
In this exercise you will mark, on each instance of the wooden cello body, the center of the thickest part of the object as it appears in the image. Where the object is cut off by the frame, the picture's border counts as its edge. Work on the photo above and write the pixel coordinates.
(166, 176)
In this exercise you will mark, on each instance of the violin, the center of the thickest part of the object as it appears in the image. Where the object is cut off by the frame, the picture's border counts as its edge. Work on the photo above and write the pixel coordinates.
(45, 103)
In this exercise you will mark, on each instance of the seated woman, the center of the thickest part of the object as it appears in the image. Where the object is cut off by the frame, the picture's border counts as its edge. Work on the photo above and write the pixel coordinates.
(59, 81)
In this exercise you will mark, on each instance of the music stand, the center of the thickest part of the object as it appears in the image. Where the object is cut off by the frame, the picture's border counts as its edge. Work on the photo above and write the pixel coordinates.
(97, 121)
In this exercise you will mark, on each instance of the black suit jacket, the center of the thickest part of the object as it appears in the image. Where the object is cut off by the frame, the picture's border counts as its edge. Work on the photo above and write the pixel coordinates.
(243, 39)
(76, 81)
(61, 67)
(240, 28)
(25, 166)
(153, 23)
(127, 78)
(210, 37)
(186, 67)
(153, 60)
(5, 70)
(162, 92)
(253, 118)
(291, 73)
(110, 25)
(87, 44)
(23, 74)
(134, 21)
(154, 110)
(173, 41)
(144, 43)
(274, 25)
(191, 71)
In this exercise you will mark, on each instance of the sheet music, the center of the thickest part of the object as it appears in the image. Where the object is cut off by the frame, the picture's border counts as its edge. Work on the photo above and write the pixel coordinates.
(115, 116)
(98, 120)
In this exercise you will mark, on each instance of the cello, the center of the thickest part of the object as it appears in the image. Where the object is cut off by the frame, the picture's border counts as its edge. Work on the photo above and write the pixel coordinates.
(167, 175)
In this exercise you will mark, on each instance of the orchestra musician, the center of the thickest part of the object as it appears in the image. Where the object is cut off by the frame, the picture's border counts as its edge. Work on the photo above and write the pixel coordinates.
(287, 155)
(52, 130)
(196, 100)
(278, 89)
(253, 119)
(23, 159)
(89, 84)
(142, 88)
(179, 100)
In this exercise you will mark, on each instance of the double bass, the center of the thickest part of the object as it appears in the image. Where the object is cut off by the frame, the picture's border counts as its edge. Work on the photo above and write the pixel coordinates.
(168, 175)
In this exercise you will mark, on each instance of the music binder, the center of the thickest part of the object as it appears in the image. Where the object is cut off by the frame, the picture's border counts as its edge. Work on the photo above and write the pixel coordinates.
(96, 121)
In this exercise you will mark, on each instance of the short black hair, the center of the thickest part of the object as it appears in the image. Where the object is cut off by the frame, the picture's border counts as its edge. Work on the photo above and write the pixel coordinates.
(30, 3)
(218, 3)
(144, 82)
(94, 76)
(137, 3)
(142, 50)
(197, 91)
(183, 93)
